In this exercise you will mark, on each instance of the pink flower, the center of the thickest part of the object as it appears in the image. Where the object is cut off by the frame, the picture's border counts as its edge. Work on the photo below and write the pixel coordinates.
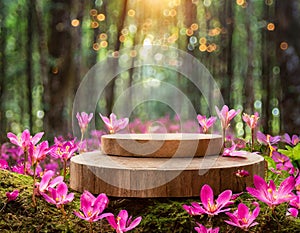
(267, 139)
(226, 115)
(59, 196)
(12, 196)
(269, 194)
(209, 206)
(25, 139)
(112, 124)
(39, 152)
(206, 123)
(291, 141)
(295, 203)
(232, 152)
(252, 120)
(63, 150)
(203, 229)
(48, 181)
(242, 173)
(122, 223)
(242, 217)
(4, 164)
(83, 120)
(91, 207)
(283, 163)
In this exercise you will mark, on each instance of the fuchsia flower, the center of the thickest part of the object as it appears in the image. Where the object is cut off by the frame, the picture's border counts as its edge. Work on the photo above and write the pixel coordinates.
(25, 140)
(283, 163)
(232, 152)
(58, 196)
(112, 124)
(242, 217)
(63, 150)
(267, 139)
(269, 194)
(209, 206)
(122, 223)
(91, 207)
(83, 120)
(39, 152)
(203, 229)
(48, 181)
(295, 203)
(12, 196)
(242, 173)
(226, 115)
(206, 123)
(293, 141)
(4, 164)
(251, 120)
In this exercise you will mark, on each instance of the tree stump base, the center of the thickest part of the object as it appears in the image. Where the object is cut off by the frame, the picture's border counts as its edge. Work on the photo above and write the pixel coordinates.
(161, 177)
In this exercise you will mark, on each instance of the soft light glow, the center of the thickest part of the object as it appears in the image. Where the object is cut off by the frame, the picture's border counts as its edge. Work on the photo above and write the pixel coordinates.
(94, 24)
(240, 2)
(194, 27)
(202, 47)
(271, 26)
(103, 36)
(284, 45)
(103, 44)
(93, 12)
(96, 46)
(101, 17)
(75, 22)
(131, 13)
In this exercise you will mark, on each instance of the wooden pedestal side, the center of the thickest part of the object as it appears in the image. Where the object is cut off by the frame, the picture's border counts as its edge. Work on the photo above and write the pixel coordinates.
(160, 177)
(162, 145)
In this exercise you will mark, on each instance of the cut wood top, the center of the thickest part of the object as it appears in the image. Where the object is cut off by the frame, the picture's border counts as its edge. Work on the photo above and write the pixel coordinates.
(98, 159)
(162, 145)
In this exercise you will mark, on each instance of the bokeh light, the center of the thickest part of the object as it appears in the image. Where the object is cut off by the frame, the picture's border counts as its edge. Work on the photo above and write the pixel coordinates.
(75, 22)
(271, 26)
(284, 45)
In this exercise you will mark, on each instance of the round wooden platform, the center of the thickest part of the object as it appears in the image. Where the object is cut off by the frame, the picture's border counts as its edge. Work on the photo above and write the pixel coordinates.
(161, 145)
(160, 177)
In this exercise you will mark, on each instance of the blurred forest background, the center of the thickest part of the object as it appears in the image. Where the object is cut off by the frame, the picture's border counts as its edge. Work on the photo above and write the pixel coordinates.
(251, 47)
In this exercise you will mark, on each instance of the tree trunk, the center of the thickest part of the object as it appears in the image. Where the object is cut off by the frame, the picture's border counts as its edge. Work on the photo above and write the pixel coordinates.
(64, 50)
(288, 54)
(3, 127)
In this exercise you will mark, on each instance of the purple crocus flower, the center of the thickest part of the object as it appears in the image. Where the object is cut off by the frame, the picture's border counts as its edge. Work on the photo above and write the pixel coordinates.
(206, 123)
(283, 163)
(39, 152)
(226, 115)
(242, 217)
(122, 223)
(11, 196)
(241, 173)
(267, 139)
(112, 124)
(25, 140)
(251, 120)
(232, 152)
(83, 120)
(91, 207)
(268, 193)
(59, 195)
(63, 150)
(203, 229)
(48, 181)
(3, 164)
(293, 141)
(295, 203)
(208, 205)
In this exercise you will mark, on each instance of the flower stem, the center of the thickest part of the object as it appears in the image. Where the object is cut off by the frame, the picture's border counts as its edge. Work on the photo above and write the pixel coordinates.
(91, 227)
(3, 207)
(33, 188)
(25, 161)
(65, 169)
(252, 140)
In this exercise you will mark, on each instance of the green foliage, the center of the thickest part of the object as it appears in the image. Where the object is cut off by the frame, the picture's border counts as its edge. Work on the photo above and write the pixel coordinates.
(293, 153)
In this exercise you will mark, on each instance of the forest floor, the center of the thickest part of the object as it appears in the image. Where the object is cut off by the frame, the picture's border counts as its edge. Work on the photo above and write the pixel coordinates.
(159, 215)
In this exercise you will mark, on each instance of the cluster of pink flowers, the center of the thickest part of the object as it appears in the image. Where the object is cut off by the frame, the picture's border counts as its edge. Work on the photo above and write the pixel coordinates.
(41, 160)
